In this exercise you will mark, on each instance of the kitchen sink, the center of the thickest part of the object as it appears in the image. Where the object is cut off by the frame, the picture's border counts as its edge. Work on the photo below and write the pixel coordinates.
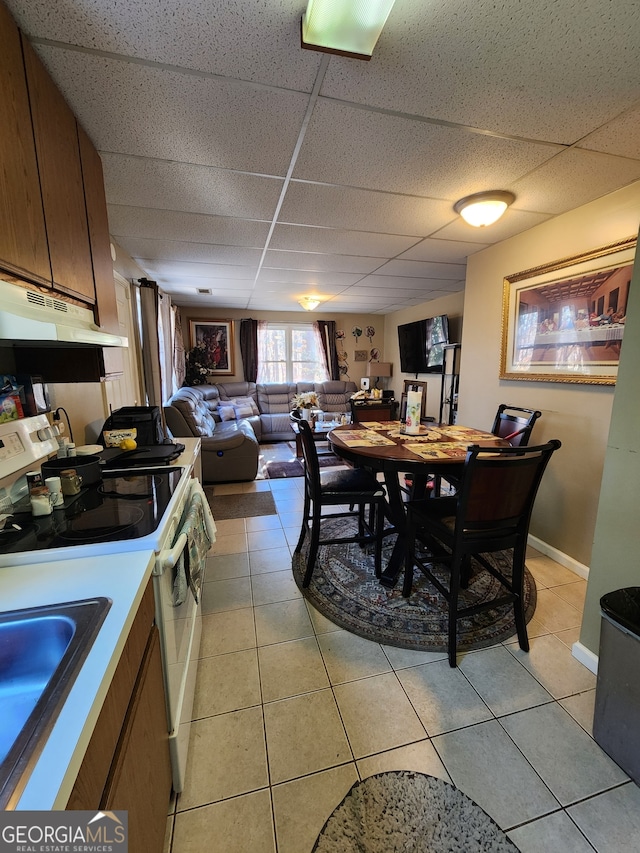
(42, 650)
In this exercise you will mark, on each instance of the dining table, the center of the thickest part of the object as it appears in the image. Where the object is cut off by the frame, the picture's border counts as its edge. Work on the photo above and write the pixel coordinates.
(385, 447)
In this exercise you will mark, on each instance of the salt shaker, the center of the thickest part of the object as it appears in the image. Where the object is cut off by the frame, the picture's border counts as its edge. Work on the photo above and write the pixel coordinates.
(40, 501)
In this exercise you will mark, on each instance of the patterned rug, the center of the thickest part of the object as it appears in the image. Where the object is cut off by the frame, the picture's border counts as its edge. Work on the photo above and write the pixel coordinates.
(411, 812)
(344, 588)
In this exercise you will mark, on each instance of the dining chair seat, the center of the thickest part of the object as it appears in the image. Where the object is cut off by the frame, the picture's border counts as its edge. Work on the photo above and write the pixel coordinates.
(354, 489)
(491, 512)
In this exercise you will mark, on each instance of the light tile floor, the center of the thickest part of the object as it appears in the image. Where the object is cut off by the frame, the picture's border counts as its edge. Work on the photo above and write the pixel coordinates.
(291, 710)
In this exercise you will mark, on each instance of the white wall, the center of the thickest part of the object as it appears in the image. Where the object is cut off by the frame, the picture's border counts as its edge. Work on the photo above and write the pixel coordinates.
(578, 415)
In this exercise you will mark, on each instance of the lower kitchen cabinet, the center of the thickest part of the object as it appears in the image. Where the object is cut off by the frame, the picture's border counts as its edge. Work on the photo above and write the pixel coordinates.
(127, 764)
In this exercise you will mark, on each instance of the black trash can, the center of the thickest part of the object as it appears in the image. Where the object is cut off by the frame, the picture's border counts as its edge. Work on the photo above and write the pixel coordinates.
(616, 721)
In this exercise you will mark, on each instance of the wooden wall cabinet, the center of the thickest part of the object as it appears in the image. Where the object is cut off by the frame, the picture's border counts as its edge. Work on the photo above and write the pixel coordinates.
(127, 764)
(23, 238)
(58, 154)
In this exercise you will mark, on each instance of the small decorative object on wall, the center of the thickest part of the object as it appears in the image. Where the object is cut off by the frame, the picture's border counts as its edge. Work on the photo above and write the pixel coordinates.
(374, 355)
(360, 355)
(356, 332)
(564, 321)
(343, 364)
(217, 338)
(370, 332)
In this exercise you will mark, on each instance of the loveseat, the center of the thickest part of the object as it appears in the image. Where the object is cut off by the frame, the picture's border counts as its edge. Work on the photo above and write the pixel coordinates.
(232, 418)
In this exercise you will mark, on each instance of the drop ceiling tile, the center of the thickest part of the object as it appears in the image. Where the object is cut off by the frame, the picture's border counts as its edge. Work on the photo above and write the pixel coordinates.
(375, 296)
(574, 178)
(308, 277)
(300, 288)
(619, 136)
(345, 207)
(134, 109)
(176, 250)
(423, 269)
(190, 272)
(233, 38)
(315, 261)
(549, 70)
(355, 147)
(173, 225)
(167, 185)
(235, 287)
(445, 251)
(308, 239)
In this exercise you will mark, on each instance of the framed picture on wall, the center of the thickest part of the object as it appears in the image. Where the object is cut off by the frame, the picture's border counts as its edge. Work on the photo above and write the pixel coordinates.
(565, 321)
(217, 338)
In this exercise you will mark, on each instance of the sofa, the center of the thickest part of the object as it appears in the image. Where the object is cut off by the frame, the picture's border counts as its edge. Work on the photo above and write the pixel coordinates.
(232, 418)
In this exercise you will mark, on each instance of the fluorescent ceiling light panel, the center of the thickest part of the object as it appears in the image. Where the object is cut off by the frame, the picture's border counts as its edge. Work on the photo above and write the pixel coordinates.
(349, 27)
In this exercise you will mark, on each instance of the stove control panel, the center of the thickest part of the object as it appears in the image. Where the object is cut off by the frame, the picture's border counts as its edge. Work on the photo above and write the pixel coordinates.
(25, 442)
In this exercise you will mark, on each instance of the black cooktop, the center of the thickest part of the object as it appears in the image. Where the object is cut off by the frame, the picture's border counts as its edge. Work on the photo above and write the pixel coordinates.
(120, 507)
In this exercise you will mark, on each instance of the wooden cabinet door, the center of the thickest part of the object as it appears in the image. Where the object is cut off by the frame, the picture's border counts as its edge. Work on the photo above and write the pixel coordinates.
(23, 239)
(140, 781)
(99, 241)
(58, 154)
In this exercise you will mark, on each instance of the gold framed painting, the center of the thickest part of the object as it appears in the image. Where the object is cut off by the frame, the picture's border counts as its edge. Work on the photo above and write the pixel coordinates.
(564, 321)
(217, 338)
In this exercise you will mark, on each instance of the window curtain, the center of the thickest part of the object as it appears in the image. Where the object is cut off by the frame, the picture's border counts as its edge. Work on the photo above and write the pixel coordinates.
(150, 341)
(249, 349)
(178, 349)
(327, 331)
(166, 329)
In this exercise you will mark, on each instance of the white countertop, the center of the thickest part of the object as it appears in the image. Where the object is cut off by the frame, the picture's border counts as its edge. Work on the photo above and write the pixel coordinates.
(123, 580)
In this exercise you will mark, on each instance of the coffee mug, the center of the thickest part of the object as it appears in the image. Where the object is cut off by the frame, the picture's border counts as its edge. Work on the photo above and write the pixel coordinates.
(54, 485)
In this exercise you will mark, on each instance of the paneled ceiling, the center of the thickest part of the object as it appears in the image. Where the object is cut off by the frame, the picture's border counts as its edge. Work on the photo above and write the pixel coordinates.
(244, 172)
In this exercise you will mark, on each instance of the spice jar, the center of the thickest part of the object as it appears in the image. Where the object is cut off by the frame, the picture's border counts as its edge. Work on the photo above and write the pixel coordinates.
(40, 498)
(70, 481)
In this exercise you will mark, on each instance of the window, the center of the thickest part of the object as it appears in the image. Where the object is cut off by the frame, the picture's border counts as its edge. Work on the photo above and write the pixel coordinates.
(290, 353)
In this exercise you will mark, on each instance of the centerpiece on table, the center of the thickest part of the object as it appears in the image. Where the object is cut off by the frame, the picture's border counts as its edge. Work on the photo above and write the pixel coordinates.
(303, 403)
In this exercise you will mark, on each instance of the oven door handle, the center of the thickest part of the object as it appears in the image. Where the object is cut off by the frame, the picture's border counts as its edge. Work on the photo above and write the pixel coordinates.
(168, 559)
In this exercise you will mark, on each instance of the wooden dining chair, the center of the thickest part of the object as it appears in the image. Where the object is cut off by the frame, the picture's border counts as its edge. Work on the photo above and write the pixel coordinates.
(490, 513)
(355, 488)
(512, 423)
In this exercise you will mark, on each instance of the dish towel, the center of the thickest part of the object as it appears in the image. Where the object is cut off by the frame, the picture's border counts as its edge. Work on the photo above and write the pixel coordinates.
(189, 570)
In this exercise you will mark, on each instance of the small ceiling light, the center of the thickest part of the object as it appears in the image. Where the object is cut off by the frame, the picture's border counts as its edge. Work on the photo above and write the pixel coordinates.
(484, 208)
(347, 27)
(308, 302)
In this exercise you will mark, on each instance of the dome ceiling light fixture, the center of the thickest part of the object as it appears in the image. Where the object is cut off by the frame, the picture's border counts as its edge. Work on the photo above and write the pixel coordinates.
(484, 208)
(308, 302)
(345, 27)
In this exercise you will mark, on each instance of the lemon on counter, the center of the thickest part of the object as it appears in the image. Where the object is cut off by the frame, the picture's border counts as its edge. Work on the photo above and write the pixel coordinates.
(128, 444)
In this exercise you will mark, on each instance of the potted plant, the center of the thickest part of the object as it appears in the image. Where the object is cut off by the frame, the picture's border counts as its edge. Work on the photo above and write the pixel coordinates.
(304, 402)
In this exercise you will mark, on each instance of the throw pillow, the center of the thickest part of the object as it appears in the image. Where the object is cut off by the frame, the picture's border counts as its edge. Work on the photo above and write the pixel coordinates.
(227, 413)
(245, 407)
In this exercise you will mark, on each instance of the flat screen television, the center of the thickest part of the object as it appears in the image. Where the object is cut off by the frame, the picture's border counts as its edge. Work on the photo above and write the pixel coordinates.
(421, 344)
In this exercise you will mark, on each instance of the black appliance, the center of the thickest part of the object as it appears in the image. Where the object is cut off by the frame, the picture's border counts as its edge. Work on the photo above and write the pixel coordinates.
(421, 344)
(120, 507)
(34, 395)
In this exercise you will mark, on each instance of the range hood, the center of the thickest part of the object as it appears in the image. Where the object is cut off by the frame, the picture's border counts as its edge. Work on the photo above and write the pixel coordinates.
(38, 318)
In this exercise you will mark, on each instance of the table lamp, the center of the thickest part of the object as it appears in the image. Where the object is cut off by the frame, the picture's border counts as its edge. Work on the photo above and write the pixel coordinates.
(378, 369)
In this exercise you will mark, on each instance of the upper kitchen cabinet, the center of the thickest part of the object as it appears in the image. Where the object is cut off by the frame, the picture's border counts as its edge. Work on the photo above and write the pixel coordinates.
(96, 204)
(58, 156)
(23, 238)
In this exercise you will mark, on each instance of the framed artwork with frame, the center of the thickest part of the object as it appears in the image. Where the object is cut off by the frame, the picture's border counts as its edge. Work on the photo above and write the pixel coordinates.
(217, 338)
(564, 321)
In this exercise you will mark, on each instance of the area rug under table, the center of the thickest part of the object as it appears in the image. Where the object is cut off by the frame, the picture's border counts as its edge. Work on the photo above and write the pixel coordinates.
(344, 588)
(406, 812)
(248, 505)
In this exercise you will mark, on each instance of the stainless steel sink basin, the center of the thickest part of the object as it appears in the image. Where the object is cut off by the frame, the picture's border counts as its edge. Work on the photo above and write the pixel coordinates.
(42, 650)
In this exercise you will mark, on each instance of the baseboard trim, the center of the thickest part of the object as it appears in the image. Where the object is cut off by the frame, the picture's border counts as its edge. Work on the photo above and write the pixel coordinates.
(564, 559)
(585, 656)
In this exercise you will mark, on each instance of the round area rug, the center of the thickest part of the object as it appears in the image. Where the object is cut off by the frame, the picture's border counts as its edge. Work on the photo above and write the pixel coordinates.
(412, 813)
(344, 588)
